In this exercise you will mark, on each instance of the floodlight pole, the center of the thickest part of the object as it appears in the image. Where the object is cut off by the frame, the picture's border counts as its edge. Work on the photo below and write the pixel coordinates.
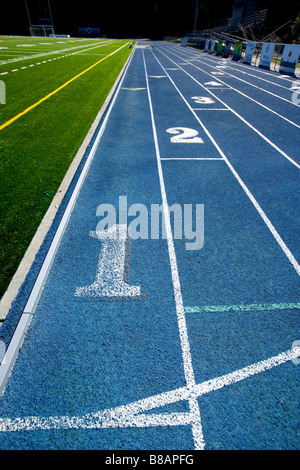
(28, 13)
(50, 13)
(196, 17)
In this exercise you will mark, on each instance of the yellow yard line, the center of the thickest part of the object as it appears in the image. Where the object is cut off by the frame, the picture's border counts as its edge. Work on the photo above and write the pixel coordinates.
(10, 121)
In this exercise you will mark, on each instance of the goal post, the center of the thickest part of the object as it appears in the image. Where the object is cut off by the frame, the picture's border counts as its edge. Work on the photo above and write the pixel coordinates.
(41, 30)
(39, 17)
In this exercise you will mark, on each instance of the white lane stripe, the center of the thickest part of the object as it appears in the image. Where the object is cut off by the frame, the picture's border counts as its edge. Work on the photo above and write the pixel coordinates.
(211, 109)
(96, 421)
(238, 115)
(270, 226)
(184, 340)
(251, 75)
(248, 83)
(133, 413)
(236, 66)
(56, 52)
(246, 96)
(191, 158)
(246, 372)
(252, 99)
(189, 373)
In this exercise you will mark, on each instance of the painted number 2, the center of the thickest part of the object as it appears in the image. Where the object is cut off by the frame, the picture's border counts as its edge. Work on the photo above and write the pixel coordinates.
(203, 99)
(184, 135)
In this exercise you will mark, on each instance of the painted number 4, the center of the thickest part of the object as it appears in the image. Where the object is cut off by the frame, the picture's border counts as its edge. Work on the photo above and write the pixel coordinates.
(184, 135)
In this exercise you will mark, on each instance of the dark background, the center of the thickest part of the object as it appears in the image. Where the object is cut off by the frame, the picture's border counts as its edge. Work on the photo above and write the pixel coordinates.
(132, 18)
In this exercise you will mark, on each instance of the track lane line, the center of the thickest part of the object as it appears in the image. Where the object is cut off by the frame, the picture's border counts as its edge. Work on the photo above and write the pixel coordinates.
(131, 415)
(237, 114)
(241, 71)
(251, 84)
(182, 326)
(267, 221)
(254, 68)
(238, 78)
(244, 94)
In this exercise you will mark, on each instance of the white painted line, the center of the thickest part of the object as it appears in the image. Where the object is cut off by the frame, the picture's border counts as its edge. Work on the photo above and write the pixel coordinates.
(255, 101)
(258, 78)
(239, 116)
(252, 99)
(270, 226)
(251, 75)
(13, 350)
(248, 83)
(59, 51)
(192, 158)
(133, 414)
(184, 340)
(133, 89)
(246, 372)
(211, 109)
(240, 65)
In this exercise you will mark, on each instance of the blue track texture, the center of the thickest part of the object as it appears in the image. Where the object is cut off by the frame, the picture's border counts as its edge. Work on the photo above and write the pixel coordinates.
(195, 362)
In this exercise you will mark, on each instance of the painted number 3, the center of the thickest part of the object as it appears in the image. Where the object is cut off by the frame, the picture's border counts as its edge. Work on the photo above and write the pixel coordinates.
(184, 135)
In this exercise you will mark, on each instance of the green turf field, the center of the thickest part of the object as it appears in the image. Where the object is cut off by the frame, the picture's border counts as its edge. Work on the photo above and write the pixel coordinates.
(36, 148)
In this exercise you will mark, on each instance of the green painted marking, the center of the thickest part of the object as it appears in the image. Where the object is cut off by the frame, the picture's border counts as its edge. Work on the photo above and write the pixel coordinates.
(241, 308)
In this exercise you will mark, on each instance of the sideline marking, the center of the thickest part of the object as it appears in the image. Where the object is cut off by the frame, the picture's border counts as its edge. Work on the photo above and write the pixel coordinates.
(241, 308)
(10, 121)
(57, 51)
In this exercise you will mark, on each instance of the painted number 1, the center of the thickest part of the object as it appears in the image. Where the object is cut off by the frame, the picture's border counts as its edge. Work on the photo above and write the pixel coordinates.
(113, 268)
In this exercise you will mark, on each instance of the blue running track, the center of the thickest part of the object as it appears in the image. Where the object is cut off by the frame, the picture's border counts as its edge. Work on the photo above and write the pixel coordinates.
(155, 340)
